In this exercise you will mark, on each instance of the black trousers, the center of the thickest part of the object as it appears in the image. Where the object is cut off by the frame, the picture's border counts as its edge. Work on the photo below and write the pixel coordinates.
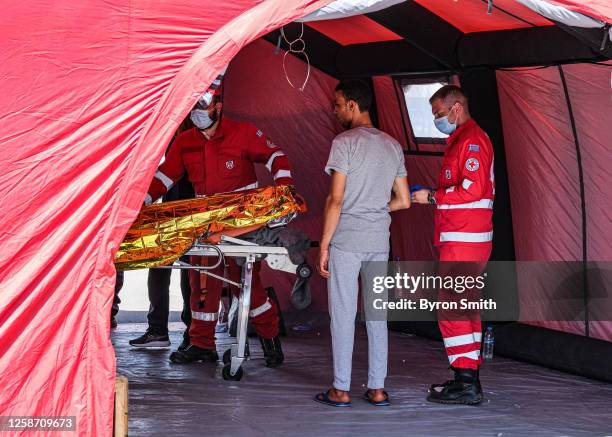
(158, 283)
(116, 300)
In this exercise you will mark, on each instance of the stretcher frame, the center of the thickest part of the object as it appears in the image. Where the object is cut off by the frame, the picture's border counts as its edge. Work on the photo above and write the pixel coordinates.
(277, 258)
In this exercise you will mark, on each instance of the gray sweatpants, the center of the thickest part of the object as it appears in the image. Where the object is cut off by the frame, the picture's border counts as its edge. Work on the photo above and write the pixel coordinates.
(343, 287)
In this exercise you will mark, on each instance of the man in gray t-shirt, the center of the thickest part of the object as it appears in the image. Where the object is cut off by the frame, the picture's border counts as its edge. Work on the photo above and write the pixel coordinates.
(368, 180)
(371, 161)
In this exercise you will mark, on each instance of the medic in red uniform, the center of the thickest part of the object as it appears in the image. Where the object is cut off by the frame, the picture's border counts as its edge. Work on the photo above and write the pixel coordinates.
(218, 155)
(463, 232)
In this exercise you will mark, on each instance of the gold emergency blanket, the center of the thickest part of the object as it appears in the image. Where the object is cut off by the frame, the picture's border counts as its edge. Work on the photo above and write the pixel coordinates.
(162, 232)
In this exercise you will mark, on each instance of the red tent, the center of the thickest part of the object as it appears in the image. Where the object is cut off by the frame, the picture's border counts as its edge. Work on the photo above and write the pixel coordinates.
(94, 91)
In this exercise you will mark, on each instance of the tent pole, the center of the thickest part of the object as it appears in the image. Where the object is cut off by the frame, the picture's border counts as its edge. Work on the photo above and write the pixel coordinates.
(582, 204)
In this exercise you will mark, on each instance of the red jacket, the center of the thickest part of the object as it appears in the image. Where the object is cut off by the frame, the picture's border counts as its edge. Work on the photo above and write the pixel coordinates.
(222, 163)
(466, 189)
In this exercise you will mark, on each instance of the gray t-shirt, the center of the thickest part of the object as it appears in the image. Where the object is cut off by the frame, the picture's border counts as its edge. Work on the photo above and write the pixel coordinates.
(372, 160)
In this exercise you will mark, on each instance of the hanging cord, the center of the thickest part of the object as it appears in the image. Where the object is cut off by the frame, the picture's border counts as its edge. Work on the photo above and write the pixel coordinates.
(300, 50)
(490, 7)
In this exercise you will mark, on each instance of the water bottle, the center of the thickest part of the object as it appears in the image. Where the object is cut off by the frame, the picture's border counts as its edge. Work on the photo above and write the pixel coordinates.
(489, 342)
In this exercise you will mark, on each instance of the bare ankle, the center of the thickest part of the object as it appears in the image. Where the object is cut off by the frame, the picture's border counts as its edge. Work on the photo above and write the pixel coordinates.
(376, 393)
(340, 394)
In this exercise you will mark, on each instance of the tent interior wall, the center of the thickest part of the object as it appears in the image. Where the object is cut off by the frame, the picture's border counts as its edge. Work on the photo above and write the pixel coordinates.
(94, 92)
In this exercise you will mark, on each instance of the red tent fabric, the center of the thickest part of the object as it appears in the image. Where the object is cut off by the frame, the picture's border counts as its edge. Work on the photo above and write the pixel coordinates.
(471, 15)
(354, 30)
(544, 180)
(92, 93)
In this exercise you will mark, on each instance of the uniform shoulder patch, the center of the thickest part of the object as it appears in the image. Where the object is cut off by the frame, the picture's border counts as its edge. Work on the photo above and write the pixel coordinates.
(474, 148)
(472, 164)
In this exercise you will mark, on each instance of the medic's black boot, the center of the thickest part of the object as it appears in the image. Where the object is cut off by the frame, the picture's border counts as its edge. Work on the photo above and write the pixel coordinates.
(273, 352)
(192, 354)
(464, 389)
(186, 341)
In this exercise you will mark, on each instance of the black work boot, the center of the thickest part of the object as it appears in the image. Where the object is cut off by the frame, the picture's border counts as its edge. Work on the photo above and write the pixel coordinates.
(464, 389)
(273, 352)
(192, 354)
(437, 387)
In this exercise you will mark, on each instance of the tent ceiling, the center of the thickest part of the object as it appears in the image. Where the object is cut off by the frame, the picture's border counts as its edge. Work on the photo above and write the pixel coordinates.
(354, 30)
(471, 15)
(420, 36)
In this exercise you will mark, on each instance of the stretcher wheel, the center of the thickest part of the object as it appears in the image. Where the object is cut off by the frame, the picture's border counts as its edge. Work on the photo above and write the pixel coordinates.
(228, 377)
(227, 356)
(304, 271)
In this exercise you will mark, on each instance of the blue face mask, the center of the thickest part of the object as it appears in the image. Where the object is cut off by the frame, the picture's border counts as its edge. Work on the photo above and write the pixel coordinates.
(445, 126)
(201, 119)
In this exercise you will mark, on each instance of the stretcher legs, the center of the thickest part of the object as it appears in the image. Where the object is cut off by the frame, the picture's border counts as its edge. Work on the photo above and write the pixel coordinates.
(233, 370)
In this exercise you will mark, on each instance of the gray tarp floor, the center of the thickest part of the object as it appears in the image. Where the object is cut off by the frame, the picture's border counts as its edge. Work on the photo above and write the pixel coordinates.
(193, 400)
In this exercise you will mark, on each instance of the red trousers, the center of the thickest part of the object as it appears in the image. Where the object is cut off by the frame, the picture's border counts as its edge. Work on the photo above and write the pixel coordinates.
(462, 330)
(206, 296)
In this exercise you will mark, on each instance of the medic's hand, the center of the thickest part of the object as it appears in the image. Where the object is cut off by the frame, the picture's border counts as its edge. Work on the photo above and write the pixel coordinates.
(322, 262)
(421, 196)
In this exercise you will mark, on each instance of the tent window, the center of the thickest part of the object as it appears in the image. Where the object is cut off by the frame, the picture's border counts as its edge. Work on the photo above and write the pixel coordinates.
(413, 95)
(417, 97)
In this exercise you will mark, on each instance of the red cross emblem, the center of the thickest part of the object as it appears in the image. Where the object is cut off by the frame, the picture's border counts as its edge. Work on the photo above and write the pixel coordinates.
(472, 164)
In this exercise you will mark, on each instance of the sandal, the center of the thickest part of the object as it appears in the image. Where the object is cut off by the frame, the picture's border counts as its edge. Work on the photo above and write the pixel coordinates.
(383, 403)
(323, 398)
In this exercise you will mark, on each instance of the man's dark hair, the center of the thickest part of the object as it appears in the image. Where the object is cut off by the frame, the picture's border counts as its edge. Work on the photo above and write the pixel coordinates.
(358, 91)
(450, 94)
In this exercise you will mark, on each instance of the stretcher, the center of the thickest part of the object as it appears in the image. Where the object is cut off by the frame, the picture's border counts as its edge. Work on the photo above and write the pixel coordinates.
(275, 256)
(210, 227)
